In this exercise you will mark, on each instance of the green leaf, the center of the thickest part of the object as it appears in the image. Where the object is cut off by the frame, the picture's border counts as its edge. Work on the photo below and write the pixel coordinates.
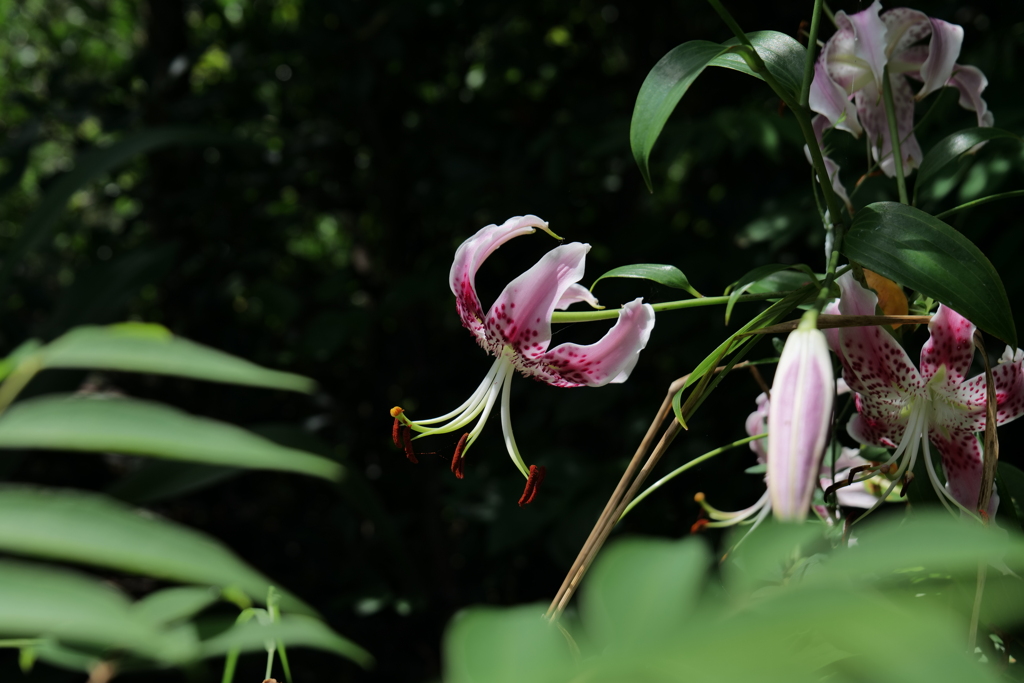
(41, 601)
(515, 645)
(952, 146)
(919, 251)
(661, 91)
(135, 427)
(670, 276)
(88, 167)
(740, 287)
(672, 76)
(644, 589)
(294, 630)
(141, 347)
(783, 56)
(178, 603)
(88, 528)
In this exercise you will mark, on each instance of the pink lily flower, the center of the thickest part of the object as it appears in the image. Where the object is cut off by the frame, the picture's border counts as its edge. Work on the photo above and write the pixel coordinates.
(517, 331)
(911, 410)
(847, 88)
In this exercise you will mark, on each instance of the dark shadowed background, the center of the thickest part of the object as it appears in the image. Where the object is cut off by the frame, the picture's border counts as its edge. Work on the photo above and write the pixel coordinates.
(329, 158)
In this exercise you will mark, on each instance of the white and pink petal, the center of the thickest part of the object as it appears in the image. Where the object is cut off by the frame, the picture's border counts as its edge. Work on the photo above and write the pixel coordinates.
(521, 315)
(470, 256)
(607, 361)
(950, 344)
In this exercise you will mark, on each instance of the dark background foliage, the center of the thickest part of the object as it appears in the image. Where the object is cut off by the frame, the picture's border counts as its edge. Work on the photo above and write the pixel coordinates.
(360, 143)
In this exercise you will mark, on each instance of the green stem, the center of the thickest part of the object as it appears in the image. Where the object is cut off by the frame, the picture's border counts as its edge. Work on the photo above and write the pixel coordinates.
(801, 113)
(894, 135)
(831, 15)
(679, 470)
(611, 313)
(812, 41)
(730, 22)
(979, 202)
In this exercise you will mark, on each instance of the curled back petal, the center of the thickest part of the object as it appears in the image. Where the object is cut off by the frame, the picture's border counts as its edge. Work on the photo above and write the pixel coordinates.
(943, 49)
(607, 361)
(951, 344)
(471, 254)
(829, 99)
(521, 316)
(904, 27)
(757, 423)
(971, 83)
(575, 294)
(968, 400)
(877, 423)
(870, 37)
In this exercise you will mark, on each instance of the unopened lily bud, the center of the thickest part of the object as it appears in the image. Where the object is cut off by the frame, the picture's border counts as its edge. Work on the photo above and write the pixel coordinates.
(799, 421)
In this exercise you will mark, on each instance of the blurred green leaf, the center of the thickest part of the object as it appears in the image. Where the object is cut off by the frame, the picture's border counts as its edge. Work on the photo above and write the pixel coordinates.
(135, 427)
(783, 56)
(47, 602)
(644, 589)
(486, 645)
(177, 603)
(949, 148)
(293, 630)
(919, 251)
(670, 276)
(87, 528)
(141, 347)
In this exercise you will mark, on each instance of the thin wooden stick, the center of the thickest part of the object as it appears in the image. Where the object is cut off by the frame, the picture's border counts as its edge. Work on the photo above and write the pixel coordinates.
(991, 460)
(613, 501)
(826, 321)
(621, 497)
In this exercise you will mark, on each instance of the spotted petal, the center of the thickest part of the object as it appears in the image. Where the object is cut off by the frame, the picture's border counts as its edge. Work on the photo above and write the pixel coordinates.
(871, 110)
(951, 344)
(468, 259)
(970, 396)
(521, 316)
(962, 464)
(607, 361)
(873, 363)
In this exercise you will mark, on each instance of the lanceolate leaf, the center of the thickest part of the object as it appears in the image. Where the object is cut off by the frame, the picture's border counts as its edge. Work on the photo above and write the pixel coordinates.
(293, 630)
(661, 91)
(672, 76)
(670, 276)
(952, 146)
(177, 603)
(87, 528)
(921, 252)
(783, 56)
(40, 601)
(146, 428)
(139, 347)
(740, 287)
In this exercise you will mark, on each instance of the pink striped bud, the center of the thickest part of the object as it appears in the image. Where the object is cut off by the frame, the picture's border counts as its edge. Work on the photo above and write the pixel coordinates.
(799, 421)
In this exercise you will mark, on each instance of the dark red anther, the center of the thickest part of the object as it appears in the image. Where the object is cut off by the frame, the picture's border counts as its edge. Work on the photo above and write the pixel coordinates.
(907, 478)
(407, 444)
(458, 462)
(698, 526)
(532, 484)
(395, 433)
